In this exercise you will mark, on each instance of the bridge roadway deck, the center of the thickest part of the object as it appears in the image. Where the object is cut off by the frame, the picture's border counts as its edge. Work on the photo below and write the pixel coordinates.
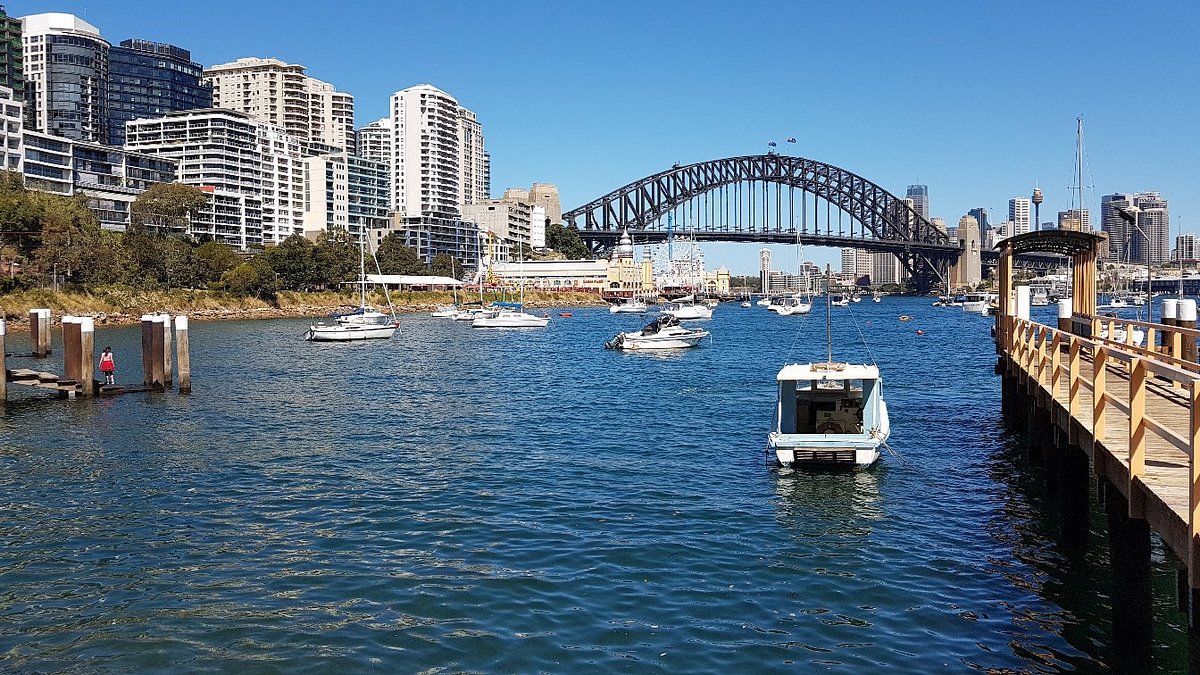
(1161, 494)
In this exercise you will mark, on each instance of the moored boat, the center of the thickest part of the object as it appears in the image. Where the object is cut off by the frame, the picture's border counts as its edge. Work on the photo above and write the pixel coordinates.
(829, 413)
(509, 315)
(664, 332)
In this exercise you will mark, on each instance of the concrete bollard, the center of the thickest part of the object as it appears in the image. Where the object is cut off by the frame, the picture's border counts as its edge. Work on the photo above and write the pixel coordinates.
(166, 321)
(1169, 308)
(147, 349)
(183, 358)
(1064, 315)
(87, 355)
(70, 343)
(1185, 317)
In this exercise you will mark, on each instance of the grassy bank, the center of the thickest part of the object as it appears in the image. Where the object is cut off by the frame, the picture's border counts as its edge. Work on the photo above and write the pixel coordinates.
(119, 304)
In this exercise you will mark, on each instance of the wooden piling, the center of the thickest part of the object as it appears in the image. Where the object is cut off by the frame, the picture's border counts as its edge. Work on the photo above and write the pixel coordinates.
(158, 328)
(1185, 317)
(147, 349)
(183, 358)
(39, 332)
(3, 365)
(70, 343)
(87, 355)
(1169, 308)
(166, 320)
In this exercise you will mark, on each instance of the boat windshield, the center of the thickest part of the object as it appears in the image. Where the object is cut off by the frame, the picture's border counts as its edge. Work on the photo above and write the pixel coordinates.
(822, 407)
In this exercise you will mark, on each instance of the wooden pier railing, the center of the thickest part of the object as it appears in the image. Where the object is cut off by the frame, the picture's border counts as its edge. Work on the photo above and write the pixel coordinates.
(1134, 409)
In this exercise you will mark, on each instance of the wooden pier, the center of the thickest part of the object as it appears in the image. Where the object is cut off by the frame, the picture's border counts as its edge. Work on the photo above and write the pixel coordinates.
(1128, 414)
(79, 357)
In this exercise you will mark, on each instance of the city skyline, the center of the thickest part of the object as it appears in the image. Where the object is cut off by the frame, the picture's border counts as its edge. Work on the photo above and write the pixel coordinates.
(593, 109)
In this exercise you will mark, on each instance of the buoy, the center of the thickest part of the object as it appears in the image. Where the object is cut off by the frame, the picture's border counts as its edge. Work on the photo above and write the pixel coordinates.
(920, 332)
(905, 317)
(564, 314)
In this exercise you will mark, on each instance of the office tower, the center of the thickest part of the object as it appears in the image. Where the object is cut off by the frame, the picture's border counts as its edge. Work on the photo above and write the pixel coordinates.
(1185, 247)
(12, 122)
(919, 194)
(1071, 220)
(981, 218)
(1115, 227)
(280, 93)
(886, 268)
(66, 77)
(150, 79)
(1150, 241)
(12, 56)
(474, 162)
(1018, 215)
(374, 141)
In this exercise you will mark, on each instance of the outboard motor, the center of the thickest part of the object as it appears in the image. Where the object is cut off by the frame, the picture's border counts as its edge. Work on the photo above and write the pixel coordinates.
(616, 342)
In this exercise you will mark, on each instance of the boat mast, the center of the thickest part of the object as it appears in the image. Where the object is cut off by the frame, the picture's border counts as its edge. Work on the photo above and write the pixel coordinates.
(829, 312)
(362, 270)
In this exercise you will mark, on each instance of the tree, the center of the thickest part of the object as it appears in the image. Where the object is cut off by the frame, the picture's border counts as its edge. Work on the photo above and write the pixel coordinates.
(214, 259)
(69, 234)
(336, 258)
(254, 278)
(165, 207)
(20, 212)
(395, 257)
(293, 262)
(566, 241)
(446, 265)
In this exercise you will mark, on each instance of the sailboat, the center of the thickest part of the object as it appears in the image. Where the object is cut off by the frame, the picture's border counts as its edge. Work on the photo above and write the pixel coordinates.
(511, 314)
(449, 311)
(363, 322)
(797, 304)
(829, 412)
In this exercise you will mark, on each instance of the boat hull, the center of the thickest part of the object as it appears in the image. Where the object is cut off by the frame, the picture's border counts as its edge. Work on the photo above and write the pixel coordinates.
(628, 309)
(797, 450)
(349, 333)
(511, 320)
(692, 339)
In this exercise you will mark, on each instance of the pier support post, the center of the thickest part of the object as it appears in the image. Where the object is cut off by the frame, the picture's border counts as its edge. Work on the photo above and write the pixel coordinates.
(166, 321)
(1185, 317)
(147, 349)
(158, 328)
(70, 343)
(1129, 556)
(3, 364)
(39, 332)
(87, 355)
(182, 357)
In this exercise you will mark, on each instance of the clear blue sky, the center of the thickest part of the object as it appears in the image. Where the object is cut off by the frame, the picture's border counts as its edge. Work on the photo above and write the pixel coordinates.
(977, 100)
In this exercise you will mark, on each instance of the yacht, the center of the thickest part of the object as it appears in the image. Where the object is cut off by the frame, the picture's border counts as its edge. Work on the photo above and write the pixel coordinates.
(629, 306)
(686, 309)
(977, 303)
(509, 315)
(838, 300)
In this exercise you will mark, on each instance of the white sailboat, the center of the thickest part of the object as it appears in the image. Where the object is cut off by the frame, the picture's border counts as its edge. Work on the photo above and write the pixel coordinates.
(829, 413)
(363, 322)
(510, 314)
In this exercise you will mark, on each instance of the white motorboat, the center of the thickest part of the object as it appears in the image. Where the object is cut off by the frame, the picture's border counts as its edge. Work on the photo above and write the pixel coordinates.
(828, 413)
(445, 312)
(977, 303)
(363, 322)
(876, 297)
(687, 311)
(793, 306)
(1119, 334)
(629, 306)
(509, 315)
(1039, 298)
(764, 302)
(469, 313)
(664, 332)
(839, 301)
(746, 304)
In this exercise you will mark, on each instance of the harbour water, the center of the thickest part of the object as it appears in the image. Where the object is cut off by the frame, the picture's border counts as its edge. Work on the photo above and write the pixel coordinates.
(504, 501)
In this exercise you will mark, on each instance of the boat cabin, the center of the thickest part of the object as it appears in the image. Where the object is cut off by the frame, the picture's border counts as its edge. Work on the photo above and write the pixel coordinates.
(829, 398)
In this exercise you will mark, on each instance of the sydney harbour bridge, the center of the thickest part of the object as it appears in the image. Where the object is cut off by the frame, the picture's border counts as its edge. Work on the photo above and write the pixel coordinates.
(780, 199)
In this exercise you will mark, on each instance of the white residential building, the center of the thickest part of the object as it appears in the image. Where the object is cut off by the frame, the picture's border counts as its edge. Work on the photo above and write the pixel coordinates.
(280, 93)
(374, 141)
(282, 187)
(345, 192)
(1018, 215)
(537, 226)
(438, 160)
(12, 120)
(218, 151)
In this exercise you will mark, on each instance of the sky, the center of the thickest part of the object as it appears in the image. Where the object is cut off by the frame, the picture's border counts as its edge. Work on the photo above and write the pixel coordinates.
(978, 100)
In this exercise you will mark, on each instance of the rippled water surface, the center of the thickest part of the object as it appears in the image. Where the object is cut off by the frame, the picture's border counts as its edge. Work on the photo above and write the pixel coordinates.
(465, 500)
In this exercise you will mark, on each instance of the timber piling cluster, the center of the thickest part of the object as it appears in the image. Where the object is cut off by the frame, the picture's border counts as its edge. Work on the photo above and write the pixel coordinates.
(161, 365)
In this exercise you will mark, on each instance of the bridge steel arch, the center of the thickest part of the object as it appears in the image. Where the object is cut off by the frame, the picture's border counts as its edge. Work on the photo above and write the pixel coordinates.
(887, 222)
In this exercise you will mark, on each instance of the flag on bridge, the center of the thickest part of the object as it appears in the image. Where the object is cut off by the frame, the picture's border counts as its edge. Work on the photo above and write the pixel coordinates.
(791, 140)
(771, 144)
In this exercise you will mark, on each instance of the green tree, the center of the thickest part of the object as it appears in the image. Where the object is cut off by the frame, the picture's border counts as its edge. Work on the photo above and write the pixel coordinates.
(293, 262)
(566, 241)
(336, 258)
(395, 257)
(214, 259)
(68, 237)
(253, 278)
(446, 265)
(165, 207)
(20, 212)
